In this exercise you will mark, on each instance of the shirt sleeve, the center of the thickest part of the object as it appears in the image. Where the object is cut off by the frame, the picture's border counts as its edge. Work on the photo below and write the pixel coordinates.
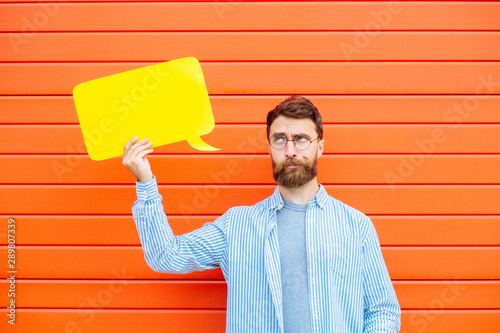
(164, 252)
(382, 312)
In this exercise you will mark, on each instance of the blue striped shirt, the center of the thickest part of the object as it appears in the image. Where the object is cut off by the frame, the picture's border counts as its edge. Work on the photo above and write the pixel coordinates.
(349, 287)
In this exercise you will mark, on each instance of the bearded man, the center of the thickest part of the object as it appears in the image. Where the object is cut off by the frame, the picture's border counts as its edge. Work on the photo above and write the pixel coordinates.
(298, 261)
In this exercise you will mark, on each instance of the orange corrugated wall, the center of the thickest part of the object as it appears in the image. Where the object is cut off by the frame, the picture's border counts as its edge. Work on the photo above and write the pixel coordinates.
(409, 93)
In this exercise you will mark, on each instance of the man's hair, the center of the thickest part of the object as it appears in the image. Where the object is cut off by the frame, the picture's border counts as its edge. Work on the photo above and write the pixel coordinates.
(296, 107)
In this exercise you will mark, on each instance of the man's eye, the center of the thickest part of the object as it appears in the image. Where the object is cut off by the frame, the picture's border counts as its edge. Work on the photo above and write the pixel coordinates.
(279, 139)
(301, 138)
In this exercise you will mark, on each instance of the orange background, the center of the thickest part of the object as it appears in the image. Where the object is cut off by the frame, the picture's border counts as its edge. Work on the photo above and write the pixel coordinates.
(409, 93)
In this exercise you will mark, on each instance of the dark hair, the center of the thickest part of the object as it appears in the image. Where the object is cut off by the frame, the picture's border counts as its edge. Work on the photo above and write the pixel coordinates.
(296, 107)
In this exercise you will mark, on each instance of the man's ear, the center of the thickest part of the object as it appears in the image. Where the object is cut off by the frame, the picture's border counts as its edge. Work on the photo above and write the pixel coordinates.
(321, 146)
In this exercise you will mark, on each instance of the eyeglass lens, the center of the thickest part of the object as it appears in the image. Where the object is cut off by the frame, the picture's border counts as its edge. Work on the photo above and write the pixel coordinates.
(301, 141)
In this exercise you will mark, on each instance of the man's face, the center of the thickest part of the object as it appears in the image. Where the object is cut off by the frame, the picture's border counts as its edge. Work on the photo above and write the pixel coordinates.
(293, 167)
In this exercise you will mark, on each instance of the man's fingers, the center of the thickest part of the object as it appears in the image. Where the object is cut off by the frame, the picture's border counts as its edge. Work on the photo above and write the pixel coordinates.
(134, 160)
(130, 142)
(128, 147)
(136, 155)
(141, 148)
(131, 149)
(145, 152)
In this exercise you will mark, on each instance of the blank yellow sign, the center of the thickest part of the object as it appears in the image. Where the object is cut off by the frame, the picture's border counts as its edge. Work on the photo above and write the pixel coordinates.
(166, 102)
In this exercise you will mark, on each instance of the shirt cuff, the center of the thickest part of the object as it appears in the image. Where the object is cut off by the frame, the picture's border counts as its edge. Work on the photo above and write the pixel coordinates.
(147, 190)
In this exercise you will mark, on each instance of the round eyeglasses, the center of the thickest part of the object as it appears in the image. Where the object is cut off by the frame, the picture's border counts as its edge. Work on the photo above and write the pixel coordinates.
(300, 141)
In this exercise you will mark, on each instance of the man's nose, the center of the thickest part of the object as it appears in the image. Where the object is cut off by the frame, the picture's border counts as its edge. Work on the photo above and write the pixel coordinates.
(290, 150)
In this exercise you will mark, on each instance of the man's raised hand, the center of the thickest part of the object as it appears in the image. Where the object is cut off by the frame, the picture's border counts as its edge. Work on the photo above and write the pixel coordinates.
(135, 160)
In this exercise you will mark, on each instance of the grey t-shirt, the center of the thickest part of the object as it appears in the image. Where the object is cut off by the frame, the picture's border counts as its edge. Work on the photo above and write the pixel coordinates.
(291, 222)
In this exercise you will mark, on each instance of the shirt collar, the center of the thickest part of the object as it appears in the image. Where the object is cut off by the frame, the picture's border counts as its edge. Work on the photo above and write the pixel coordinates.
(275, 201)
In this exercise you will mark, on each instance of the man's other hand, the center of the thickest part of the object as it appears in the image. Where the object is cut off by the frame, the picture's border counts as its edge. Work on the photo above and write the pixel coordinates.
(135, 160)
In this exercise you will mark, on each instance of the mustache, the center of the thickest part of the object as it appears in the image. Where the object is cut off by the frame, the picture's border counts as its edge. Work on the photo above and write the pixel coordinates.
(292, 160)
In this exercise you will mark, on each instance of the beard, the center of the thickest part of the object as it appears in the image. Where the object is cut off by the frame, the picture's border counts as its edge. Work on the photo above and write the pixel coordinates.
(296, 177)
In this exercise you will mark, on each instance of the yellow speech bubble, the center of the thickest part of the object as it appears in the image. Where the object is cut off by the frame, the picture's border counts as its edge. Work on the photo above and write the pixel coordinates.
(166, 102)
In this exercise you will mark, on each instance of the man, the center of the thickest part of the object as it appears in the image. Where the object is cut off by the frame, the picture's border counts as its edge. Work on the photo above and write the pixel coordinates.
(298, 261)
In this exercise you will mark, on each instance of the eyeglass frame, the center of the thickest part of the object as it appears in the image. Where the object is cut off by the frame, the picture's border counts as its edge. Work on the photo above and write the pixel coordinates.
(293, 140)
